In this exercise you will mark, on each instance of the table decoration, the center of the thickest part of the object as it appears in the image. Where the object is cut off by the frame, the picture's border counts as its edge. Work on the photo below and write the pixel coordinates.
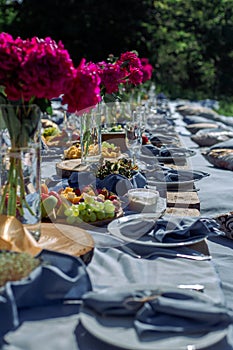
(14, 236)
(86, 83)
(16, 266)
(20, 165)
(25, 90)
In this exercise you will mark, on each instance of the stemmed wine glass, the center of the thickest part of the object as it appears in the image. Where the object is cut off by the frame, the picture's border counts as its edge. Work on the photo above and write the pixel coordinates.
(133, 137)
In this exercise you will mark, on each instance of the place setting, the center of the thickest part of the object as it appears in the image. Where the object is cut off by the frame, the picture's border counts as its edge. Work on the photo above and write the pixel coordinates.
(168, 154)
(149, 318)
(176, 179)
(166, 231)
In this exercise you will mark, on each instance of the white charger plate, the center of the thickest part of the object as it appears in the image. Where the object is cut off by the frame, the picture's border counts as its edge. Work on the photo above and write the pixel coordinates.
(172, 184)
(119, 331)
(182, 157)
(115, 226)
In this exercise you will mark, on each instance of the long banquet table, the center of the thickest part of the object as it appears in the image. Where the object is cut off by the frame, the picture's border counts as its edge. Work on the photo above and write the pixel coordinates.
(58, 327)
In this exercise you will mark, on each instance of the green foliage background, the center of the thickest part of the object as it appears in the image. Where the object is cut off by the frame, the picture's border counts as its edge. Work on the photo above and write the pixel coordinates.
(189, 42)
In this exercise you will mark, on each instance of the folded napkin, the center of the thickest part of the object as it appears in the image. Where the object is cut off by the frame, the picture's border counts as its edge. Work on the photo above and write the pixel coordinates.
(8, 311)
(165, 151)
(150, 150)
(179, 229)
(114, 301)
(59, 277)
(81, 179)
(160, 138)
(137, 228)
(153, 310)
(174, 152)
(172, 175)
(181, 312)
(171, 229)
(115, 183)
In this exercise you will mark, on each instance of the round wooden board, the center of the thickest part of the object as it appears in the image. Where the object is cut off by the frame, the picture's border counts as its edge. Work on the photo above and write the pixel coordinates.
(66, 167)
(67, 239)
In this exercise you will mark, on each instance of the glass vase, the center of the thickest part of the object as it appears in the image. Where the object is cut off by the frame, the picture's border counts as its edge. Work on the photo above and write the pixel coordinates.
(90, 137)
(20, 166)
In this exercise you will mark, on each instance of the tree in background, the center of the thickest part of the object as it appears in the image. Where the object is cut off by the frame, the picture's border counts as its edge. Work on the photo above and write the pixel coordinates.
(190, 42)
(193, 44)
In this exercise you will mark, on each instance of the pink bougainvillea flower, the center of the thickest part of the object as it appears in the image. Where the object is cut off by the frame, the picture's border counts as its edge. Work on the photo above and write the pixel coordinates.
(129, 59)
(10, 58)
(147, 69)
(34, 68)
(111, 75)
(135, 76)
(84, 92)
(131, 66)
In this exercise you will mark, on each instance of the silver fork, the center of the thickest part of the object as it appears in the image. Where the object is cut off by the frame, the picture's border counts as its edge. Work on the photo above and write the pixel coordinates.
(168, 254)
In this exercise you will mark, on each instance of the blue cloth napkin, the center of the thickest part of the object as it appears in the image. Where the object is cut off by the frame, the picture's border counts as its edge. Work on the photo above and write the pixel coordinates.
(162, 138)
(8, 311)
(172, 310)
(115, 183)
(170, 229)
(165, 151)
(172, 175)
(150, 150)
(174, 152)
(81, 179)
(175, 229)
(59, 277)
(181, 312)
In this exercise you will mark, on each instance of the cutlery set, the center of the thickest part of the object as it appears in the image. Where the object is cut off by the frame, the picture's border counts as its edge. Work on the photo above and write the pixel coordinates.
(197, 257)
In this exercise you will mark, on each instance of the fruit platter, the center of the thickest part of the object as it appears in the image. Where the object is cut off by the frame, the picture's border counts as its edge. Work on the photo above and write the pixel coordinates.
(109, 150)
(74, 207)
(52, 136)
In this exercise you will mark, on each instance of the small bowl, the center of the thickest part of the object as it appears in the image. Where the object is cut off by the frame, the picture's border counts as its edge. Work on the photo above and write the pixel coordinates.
(143, 200)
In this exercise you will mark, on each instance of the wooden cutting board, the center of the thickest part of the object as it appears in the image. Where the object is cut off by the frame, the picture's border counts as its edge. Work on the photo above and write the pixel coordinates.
(67, 239)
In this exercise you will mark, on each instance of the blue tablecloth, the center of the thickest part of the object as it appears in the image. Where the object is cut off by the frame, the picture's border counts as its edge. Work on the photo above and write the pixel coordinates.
(58, 328)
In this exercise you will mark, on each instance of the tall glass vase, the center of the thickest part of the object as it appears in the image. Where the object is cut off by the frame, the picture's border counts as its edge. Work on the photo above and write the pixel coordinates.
(90, 137)
(20, 166)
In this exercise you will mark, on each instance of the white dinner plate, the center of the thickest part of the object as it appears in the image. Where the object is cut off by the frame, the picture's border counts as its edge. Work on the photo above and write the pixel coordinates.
(115, 226)
(119, 331)
(172, 184)
(182, 157)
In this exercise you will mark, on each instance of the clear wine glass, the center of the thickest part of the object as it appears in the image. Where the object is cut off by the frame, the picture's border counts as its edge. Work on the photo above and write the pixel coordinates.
(133, 137)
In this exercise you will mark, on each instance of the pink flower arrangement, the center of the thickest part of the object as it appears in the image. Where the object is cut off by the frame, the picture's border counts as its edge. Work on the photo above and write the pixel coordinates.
(126, 70)
(131, 65)
(40, 69)
(111, 76)
(147, 69)
(84, 91)
(36, 70)
(33, 68)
